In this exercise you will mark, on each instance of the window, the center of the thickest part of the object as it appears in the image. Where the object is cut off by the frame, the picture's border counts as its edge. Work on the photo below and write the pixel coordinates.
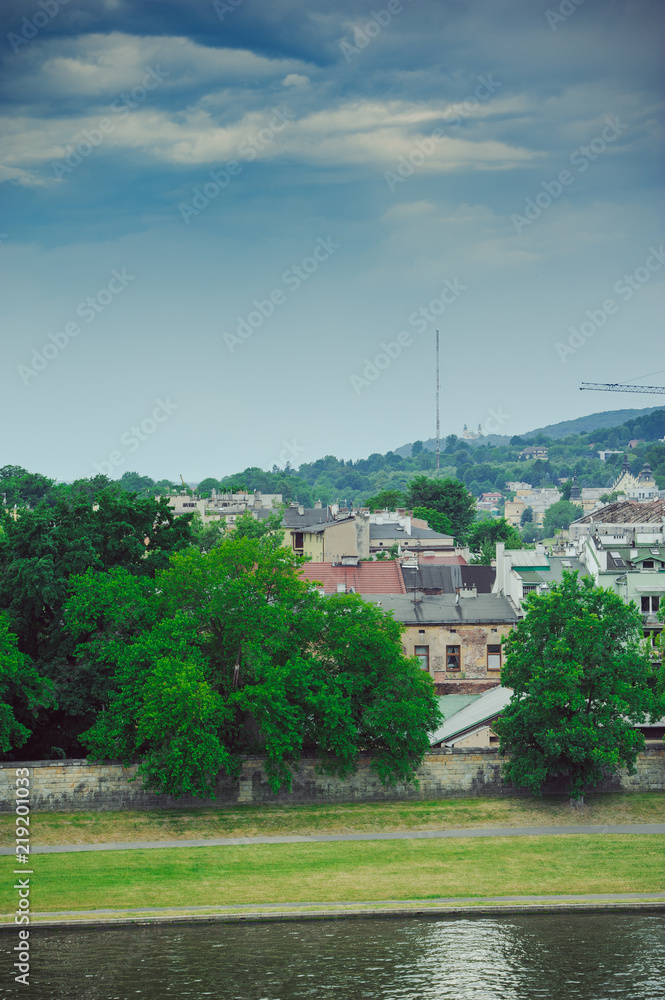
(453, 657)
(422, 652)
(494, 657)
(650, 605)
(528, 588)
(646, 563)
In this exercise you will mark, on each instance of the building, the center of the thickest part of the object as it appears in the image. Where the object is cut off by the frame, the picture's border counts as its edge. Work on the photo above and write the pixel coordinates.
(225, 506)
(534, 451)
(640, 487)
(632, 519)
(387, 529)
(345, 535)
(468, 718)
(520, 572)
(627, 556)
(513, 511)
(457, 638)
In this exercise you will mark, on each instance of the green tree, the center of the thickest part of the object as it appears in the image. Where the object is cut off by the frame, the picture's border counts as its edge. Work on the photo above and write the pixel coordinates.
(527, 516)
(22, 691)
(435, 520)
(565, 489)
(446, 496)
(416, 448)
(247, 526)
(386, 500)
(232, 652)
(206, 486)
(484, 535)
(560, 515)
(40, 552)
(581, 681)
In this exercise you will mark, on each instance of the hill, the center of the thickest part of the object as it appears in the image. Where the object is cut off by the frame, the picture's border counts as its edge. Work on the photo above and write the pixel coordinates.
(580, 425)
(593, 422)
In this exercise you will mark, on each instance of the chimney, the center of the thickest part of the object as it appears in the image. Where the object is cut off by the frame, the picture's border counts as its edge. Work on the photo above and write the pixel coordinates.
(318, 505)
(500, 568)
(301, 509)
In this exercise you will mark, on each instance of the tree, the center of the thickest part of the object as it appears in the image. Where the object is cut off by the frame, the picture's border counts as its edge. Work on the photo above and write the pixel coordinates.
(40, 552)
(22, 691)
(580, 682)
(416, 448)
(233, 652)
(560, 515)
(206, 486)
(435, 520)
(134, 483)
(386, 500)
(484, 535)
(532, 533)
(565, 489)
(527, 516)
(447, 496)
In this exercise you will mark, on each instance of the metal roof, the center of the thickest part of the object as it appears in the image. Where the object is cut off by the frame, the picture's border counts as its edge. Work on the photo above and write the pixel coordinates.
(394, 530)
(449, 578)
(482, 709)
(627, 512)
(443, 609)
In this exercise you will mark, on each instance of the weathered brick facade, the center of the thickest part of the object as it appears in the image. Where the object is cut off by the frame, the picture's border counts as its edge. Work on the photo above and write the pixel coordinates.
(76, 785)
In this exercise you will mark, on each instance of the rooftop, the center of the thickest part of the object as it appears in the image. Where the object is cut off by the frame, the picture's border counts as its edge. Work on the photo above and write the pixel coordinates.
(367, 577)
(448, 578)
(422, 609)
(627, 512)
(483, 708)
(394, 530)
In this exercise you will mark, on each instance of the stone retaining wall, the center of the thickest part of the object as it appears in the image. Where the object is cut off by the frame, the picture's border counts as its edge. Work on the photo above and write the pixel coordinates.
(76, 785)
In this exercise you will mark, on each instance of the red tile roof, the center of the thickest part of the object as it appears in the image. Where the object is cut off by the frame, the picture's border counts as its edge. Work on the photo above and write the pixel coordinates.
(379, 577)
(438, 560)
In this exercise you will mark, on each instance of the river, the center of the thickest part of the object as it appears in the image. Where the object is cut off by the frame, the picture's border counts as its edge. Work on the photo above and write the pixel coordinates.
(567, 956)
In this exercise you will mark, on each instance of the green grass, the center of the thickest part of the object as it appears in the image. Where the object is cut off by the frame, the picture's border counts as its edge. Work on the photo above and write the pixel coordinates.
(327, 872)
(362, 817)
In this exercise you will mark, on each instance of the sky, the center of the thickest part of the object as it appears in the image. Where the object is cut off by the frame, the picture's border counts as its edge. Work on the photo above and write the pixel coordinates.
(230, 230)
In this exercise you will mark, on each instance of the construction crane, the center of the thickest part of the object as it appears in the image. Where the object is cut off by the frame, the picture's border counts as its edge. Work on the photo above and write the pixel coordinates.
(616, 387)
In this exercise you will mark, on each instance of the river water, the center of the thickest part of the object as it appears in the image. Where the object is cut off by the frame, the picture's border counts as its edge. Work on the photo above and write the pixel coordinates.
(567, 956)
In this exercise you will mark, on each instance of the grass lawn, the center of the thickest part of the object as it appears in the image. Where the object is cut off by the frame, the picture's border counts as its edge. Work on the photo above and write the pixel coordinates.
(408, 869)
(362, 817)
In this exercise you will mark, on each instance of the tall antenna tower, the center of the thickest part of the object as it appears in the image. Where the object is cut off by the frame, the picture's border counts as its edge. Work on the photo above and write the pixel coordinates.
(438, 428)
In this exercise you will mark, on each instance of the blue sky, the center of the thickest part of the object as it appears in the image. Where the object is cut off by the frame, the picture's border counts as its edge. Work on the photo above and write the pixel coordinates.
(236, 226)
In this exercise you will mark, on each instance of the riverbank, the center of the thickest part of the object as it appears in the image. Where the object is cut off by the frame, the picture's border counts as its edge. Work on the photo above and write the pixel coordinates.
(367, 871)
(305, 820)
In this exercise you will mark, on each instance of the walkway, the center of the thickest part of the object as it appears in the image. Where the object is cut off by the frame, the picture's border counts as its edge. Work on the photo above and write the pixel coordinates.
(519, 831)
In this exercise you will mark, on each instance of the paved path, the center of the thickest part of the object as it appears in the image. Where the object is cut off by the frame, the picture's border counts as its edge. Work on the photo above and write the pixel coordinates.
(519, 831)
(604, 897)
